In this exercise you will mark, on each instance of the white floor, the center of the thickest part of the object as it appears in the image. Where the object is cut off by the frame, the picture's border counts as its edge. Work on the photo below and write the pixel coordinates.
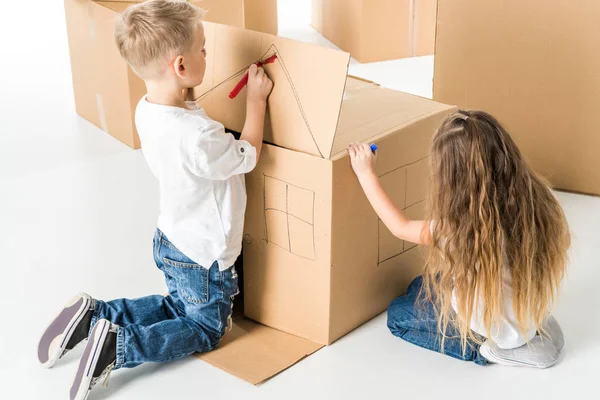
(77, 213)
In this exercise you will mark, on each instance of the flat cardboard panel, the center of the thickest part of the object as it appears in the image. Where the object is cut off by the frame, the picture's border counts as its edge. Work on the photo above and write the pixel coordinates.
(306, 98)
(286, 286)
(424, 30)
(370, 112)
(255, 353)
(340, 23)
(534, 66)
(261, 15)
(80, 29)
(387, 30)
(228, 12)
(377, 30)
(113, 80)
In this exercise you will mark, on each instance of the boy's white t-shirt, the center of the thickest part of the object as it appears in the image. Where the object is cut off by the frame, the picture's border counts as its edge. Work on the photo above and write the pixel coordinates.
(506, 334)
(200, 169)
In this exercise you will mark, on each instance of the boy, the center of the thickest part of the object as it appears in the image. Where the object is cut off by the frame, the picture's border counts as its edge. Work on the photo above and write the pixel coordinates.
(200, 170)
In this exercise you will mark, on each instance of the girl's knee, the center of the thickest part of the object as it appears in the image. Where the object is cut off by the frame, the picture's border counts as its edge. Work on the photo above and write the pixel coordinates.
(399, 312)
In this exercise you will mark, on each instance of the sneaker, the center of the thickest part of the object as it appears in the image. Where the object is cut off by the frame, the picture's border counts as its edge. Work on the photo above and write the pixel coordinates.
(98, 360)
(537, 353)
(67, 330)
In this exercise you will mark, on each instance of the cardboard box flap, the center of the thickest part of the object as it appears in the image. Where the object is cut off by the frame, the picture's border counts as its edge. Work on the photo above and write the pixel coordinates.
(255, 353)
(370, 111)
(309, 85)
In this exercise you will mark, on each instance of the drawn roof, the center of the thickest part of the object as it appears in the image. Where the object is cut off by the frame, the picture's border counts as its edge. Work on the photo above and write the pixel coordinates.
(314, 107)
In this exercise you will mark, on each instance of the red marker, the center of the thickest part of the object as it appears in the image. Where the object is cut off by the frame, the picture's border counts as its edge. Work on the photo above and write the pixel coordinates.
(238, 88)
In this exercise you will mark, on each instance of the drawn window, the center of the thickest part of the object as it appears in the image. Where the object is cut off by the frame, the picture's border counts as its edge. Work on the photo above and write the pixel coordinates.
(407, 187)
(289, 217)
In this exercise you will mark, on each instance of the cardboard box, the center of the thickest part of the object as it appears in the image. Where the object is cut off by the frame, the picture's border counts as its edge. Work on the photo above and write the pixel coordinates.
(106, 89)
(534, 66)
(378, 30)
(317, 261)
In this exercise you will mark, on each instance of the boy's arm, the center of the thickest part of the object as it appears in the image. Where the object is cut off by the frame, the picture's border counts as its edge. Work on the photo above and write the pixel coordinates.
(394, 219)
(259, 88)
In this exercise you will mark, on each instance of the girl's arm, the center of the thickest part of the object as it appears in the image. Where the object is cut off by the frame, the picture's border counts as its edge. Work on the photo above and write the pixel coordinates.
(363, 163)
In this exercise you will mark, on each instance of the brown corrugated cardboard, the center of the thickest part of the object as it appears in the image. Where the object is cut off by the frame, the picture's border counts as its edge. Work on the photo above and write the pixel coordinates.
(255, 353)
(106, 89)
(313, 256)
(378, 30)
(533, 65)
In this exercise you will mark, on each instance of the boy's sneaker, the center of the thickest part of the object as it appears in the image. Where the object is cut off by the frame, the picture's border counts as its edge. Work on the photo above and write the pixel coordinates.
(97, 361)
(67, 330)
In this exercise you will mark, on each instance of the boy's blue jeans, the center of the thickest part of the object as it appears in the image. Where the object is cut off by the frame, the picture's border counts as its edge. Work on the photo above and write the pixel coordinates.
(418, 325)
(192, 318)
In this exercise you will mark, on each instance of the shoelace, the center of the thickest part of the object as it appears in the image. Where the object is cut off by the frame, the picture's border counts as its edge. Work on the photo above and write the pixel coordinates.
(104, 375)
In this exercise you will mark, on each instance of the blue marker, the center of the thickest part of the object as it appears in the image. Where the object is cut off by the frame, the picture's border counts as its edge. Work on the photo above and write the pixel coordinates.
(373, 147)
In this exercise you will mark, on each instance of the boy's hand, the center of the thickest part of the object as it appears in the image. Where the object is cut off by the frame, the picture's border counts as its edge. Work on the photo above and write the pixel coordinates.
(259, 84)
(362, 158)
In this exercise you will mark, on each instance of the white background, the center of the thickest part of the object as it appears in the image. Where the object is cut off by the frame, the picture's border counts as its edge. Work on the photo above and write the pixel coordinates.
(78, 210)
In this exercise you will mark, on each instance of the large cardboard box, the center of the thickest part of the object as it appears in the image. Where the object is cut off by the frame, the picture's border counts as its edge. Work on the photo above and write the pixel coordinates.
(378, 30)
(534, 65)
(106, 89)
(317, 261)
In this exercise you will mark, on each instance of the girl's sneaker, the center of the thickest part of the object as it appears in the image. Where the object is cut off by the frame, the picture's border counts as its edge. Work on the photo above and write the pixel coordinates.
(537, 353)
(67, 330)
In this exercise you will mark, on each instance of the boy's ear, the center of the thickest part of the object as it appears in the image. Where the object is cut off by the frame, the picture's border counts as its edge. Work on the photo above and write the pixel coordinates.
(178, 67)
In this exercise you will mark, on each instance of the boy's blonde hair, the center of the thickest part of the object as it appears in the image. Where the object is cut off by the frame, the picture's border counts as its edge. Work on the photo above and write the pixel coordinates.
(149, 34)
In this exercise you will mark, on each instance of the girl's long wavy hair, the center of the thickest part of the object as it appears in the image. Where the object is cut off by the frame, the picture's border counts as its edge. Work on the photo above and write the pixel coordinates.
(493, 215)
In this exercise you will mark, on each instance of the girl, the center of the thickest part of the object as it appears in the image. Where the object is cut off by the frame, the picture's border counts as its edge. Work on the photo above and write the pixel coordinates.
(498, 248)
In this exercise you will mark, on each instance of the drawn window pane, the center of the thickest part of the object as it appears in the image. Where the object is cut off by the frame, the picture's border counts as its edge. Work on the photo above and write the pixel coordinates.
(417, 182)
(407, 187)
(277, 228)
(389, 245)
(301, 238)
(394, 183)
(301, 204)
(275, 194)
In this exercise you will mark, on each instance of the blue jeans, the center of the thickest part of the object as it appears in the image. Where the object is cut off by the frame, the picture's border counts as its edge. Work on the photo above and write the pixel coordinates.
(192, 318)
(417, 324)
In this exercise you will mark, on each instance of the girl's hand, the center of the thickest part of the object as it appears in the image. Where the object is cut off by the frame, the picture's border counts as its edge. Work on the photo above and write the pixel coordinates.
(362, 158)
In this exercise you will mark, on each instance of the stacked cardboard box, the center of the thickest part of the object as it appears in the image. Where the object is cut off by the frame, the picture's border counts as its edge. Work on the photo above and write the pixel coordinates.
(533, 65)
(377, 30)
(106, 89)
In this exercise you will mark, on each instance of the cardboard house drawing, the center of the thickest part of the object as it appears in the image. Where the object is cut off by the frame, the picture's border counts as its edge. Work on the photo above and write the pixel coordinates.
(317, 261)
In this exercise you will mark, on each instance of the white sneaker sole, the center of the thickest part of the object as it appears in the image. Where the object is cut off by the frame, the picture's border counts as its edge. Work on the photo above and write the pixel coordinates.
(53, 342)
(81, 388)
